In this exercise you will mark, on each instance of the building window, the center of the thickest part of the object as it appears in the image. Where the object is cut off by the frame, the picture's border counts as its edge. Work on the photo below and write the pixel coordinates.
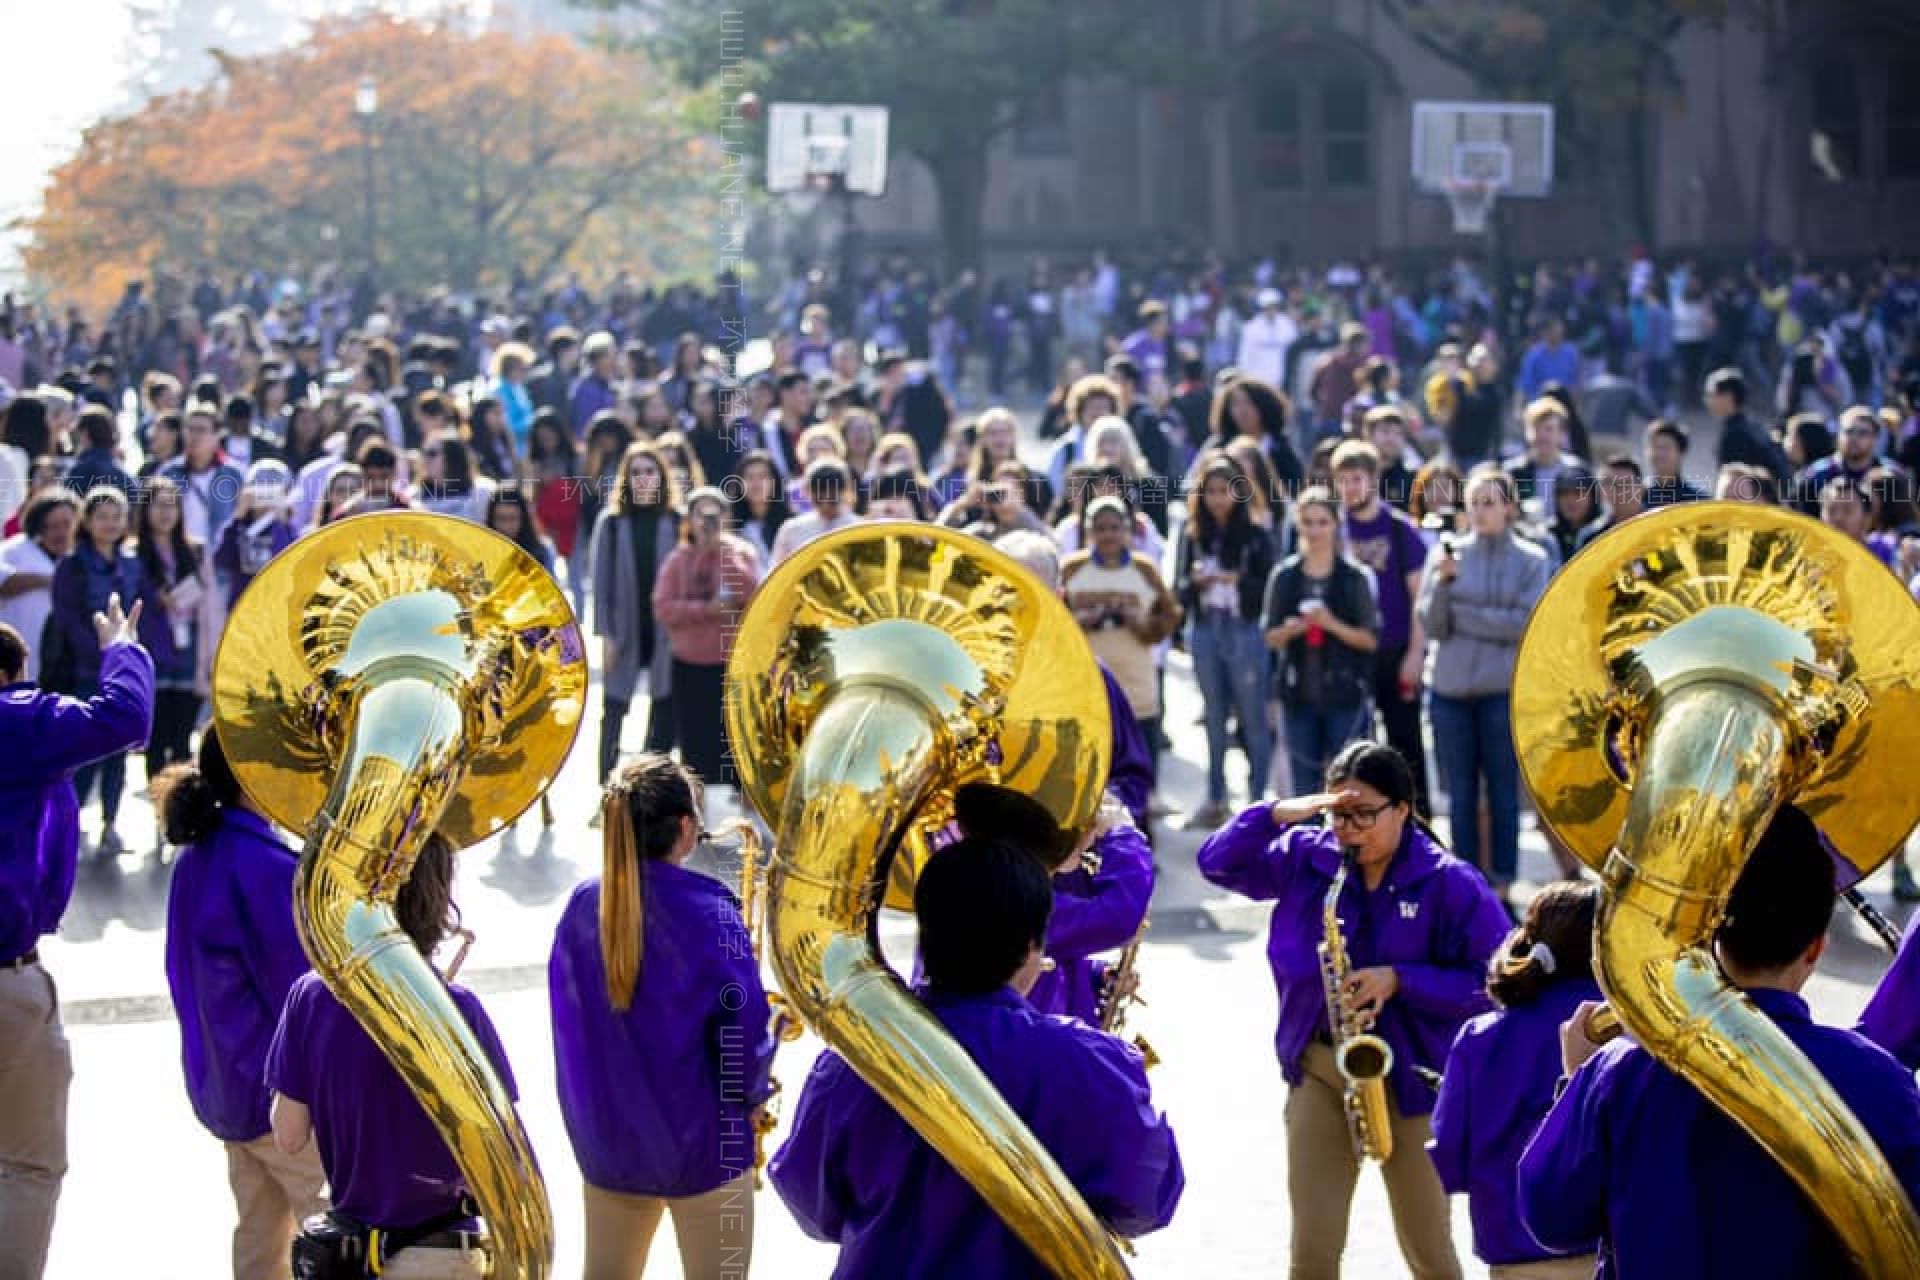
(1276, 137)
(1044, 131)
(1903, 126)
(1835, 145)
(1343, 132)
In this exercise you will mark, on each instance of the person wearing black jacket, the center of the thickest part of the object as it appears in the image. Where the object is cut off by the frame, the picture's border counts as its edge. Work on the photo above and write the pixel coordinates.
(1246, 406)
(1741, 438)
(1221, 567)
(1149, 430)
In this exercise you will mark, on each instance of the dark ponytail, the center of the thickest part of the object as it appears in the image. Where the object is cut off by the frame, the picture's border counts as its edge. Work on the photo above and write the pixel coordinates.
(1554, 944)
(192, 797)
(424, 905)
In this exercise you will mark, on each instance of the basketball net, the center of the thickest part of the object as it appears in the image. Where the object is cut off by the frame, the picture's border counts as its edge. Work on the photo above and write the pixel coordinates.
(1471, 200)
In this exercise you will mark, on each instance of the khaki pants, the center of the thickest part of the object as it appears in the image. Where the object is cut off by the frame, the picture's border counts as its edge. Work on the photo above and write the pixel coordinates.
(1322, 1170)
(273, 1193)
(436, 1264)
(1580, 1268)
(36, 1069)
(714, 1231)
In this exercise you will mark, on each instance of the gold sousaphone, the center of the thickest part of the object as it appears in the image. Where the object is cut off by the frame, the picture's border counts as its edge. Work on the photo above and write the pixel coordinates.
(874, 672)
(1684, 677)
(383, 678)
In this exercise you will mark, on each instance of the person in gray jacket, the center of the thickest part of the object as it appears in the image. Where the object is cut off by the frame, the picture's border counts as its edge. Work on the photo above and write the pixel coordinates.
(1474, 602)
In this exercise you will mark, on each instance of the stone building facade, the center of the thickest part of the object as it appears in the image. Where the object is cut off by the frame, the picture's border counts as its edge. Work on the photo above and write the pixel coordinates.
(1804, 131)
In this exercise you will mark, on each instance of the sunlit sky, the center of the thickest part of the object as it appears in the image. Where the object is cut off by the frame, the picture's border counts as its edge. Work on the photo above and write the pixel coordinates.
(67, 64)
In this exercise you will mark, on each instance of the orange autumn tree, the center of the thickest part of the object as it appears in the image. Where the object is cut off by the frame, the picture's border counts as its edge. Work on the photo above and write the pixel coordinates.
(492, 151)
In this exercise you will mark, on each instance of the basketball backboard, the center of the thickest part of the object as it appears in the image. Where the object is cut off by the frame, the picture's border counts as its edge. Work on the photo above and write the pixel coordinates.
(1504, 146)
(819, 144)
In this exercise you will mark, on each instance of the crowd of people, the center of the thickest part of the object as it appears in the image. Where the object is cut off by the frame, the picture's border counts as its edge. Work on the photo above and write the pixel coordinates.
(1317, 506)
(1314, 499)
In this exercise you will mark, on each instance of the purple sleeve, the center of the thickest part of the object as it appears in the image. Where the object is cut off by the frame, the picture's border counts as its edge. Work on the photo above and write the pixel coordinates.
(1562, 1177)
(1449, 1145)
(809, 1170)
(744, 1017)
(287, 1072)
(1245, 855)
(1892, 1016)
(476, 1015)
(1130, 1171)
(1453, 984)
(266, 882)
(1130, 773)
(1111, 914)
(117, 718)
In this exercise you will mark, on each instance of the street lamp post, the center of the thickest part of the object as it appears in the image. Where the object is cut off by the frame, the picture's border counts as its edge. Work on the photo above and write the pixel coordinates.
(366, 104)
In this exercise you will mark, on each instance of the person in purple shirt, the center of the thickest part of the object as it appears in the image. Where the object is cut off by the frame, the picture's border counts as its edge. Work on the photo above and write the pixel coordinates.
(387, 1166)
(1387, 541)
(1501, 1074)
(1892, 1016)
(1634, 1155)
(232, 956)
(1419, 927)
(852, 1171)
(49, 736)
(661, 1070)
(1100, 890)
(1551, 359)
(592, 391)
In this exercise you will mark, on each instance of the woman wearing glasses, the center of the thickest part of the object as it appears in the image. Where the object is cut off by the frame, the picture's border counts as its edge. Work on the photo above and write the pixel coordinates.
(1419, 926)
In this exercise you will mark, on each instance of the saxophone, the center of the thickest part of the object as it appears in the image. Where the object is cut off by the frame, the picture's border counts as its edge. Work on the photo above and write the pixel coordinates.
(1118, 995)
(1362, 1058)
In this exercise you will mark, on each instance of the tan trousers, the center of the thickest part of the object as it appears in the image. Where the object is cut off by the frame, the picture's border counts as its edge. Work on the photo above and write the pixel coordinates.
(36, 1069)
(1322, 1170)
(436, 1264)
(273, 1194)
(714, 1231)
(1580, 1268)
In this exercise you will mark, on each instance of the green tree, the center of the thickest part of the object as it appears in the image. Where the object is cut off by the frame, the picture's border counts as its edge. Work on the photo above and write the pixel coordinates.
(955, 74)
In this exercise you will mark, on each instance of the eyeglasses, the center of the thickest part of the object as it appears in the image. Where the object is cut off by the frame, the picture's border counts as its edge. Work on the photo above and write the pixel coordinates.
(1358, 819)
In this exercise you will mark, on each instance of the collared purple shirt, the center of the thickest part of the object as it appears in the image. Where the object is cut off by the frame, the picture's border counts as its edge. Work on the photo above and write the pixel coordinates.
(657, 1099)
(232, 956)
(1093, 913)
(851, 1170)
(1433, 918)
(1499, 1084)
(386, 1164)
(1892, 1017)
(1636, 1156)
(48, 736)
(1130, 773)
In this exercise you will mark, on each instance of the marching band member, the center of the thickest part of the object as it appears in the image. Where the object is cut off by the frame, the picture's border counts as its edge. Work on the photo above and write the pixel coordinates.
(232, 956)
(853, 1172)
(1099, 902)
(388, 1169)
(1420, 926)
(661, 1037)
(49, 736)
(1501, 1074)
(1634, 1155)
(1892, 1016)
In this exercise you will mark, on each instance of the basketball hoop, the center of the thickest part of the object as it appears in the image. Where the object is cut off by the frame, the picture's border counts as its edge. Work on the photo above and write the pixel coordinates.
(1471, 200)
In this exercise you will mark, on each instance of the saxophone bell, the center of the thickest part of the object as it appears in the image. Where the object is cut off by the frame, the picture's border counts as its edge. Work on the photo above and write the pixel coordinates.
(1364, 1060)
